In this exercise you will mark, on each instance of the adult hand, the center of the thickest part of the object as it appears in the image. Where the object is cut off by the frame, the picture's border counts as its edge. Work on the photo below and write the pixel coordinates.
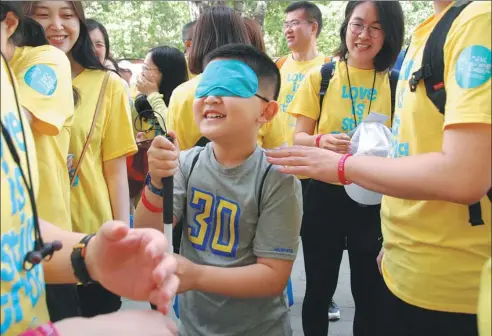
(121, 323)
(317, 163)
(163, 158)
(147, 84)
(133, 263)
(379, 259)
(339, 143)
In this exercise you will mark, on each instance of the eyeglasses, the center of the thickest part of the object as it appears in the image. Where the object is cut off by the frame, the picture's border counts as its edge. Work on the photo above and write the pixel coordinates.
(358, 28)
(262, 98)
(144, 68)
(294, 23)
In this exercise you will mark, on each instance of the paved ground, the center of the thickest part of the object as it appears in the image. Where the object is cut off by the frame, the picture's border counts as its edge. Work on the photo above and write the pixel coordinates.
(343, 297)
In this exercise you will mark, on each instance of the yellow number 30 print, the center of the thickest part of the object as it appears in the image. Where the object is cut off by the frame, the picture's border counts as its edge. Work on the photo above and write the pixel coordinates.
(215, 224)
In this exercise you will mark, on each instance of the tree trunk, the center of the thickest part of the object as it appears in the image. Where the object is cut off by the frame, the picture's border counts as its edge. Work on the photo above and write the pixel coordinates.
(197, 7)
(239, 6)
(260, 12)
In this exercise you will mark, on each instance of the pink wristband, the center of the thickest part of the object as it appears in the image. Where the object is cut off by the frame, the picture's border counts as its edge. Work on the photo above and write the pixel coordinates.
(47, 329)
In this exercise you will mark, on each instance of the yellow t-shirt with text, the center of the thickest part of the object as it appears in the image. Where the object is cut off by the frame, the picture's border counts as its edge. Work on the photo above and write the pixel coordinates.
(292, 74)
(113, 138)
(433, 255)
(23, 293)
(45, 89)
(484, 302)
(181, 120)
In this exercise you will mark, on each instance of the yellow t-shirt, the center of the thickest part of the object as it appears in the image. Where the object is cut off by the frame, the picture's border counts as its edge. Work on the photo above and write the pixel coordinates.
(292, 73)
(433, 255)
(112, 138)
(181, 120)
(23, 293)
(484, 302)
(45, 89)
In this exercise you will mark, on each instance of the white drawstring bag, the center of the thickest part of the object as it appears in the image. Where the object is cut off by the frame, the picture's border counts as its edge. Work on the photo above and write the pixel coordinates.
(370, 138)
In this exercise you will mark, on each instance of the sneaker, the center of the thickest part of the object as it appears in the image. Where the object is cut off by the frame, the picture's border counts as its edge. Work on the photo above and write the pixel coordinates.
(333, 311)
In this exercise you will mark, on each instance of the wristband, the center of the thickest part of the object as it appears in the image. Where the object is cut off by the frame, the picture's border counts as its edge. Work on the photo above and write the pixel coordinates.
(318, 139)
(341, 170)
(78, 261)
(149, 206)
(153, 189)
(44, 330)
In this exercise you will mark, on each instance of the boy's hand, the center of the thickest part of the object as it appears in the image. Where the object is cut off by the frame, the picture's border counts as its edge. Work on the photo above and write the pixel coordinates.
(339, 143)
(187, 273)
(163, 159)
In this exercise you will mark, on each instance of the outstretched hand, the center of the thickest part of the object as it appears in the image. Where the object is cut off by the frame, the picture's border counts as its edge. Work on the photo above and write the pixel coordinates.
(133, 263)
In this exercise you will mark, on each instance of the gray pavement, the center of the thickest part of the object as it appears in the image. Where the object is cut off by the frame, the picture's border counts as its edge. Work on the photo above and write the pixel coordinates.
(343, 297)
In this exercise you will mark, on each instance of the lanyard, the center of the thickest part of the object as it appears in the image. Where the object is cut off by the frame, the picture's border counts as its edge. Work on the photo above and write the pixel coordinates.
(352, 98)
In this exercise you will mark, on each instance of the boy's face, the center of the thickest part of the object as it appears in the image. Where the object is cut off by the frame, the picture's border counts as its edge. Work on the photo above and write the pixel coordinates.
(220, 117)
(227, 105)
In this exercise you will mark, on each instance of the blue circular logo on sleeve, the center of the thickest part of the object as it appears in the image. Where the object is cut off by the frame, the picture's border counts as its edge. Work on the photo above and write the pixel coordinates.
(473, 67)
(42, 79)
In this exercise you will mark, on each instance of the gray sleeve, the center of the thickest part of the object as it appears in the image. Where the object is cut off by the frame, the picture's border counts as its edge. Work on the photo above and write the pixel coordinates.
(181, 179)
(277, 234)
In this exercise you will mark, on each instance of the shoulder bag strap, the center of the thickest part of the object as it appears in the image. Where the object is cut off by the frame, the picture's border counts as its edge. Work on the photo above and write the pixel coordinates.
(94, 120)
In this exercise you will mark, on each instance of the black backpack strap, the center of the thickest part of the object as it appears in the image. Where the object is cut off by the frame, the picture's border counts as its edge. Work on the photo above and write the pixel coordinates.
(393, 79)
(260, 192)
(432, 70)
(326, 74)
(202, 142)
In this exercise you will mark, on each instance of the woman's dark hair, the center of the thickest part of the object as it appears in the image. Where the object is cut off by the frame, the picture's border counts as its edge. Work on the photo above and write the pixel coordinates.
(390, 16)
(172, 64)
(216, 26)
(83, 50)
(255, 34)
(92, 25)
(29, 32)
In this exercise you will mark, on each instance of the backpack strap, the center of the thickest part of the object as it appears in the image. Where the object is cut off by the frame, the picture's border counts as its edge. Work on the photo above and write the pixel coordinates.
(432, 70)
(260, 192)
(202, 142)
(279, 62)
(394, 74)
(327, 71)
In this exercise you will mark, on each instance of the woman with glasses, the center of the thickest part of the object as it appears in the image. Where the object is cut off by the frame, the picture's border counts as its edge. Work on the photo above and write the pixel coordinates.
(99, 190)
(371, 38)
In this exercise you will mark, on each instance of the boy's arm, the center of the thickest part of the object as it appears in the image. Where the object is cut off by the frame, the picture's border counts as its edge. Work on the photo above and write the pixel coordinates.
(275, 245)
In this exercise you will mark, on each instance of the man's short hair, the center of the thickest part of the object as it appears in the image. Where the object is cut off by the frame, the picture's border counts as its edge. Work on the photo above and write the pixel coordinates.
(313, 13)
(265, 69)
(187, 33)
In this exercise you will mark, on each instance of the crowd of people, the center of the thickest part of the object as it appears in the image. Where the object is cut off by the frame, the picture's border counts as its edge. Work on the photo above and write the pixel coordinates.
(261, 152)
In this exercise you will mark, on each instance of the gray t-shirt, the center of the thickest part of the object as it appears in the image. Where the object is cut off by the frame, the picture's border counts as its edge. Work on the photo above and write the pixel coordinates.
(222, 228)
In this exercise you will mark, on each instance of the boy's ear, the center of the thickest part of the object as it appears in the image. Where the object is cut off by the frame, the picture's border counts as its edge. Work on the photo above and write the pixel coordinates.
(269, 112)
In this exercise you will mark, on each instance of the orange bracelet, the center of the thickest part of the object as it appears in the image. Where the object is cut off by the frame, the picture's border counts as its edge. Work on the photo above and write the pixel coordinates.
(149, 206)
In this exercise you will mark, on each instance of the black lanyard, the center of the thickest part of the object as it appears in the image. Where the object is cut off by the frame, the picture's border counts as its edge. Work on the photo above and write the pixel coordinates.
(352, 98)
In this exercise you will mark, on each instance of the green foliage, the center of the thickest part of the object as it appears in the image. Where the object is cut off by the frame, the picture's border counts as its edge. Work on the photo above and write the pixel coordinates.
(136, 26)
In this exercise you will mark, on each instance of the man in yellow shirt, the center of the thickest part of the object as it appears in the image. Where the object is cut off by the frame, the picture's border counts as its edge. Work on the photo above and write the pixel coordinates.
(435, 244)
(302, 26)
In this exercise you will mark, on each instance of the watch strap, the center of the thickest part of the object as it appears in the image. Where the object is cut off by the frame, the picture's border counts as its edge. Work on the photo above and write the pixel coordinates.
(78, 261)
(151, 187)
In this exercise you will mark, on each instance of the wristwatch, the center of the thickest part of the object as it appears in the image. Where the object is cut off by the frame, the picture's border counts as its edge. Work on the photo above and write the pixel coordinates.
(78, 261)
(151, 187)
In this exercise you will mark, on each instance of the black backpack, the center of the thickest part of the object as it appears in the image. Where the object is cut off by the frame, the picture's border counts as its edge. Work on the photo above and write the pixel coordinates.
(432, 73)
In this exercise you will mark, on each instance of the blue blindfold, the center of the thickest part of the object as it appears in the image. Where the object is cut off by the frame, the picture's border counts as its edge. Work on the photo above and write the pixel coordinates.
(228, 78)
